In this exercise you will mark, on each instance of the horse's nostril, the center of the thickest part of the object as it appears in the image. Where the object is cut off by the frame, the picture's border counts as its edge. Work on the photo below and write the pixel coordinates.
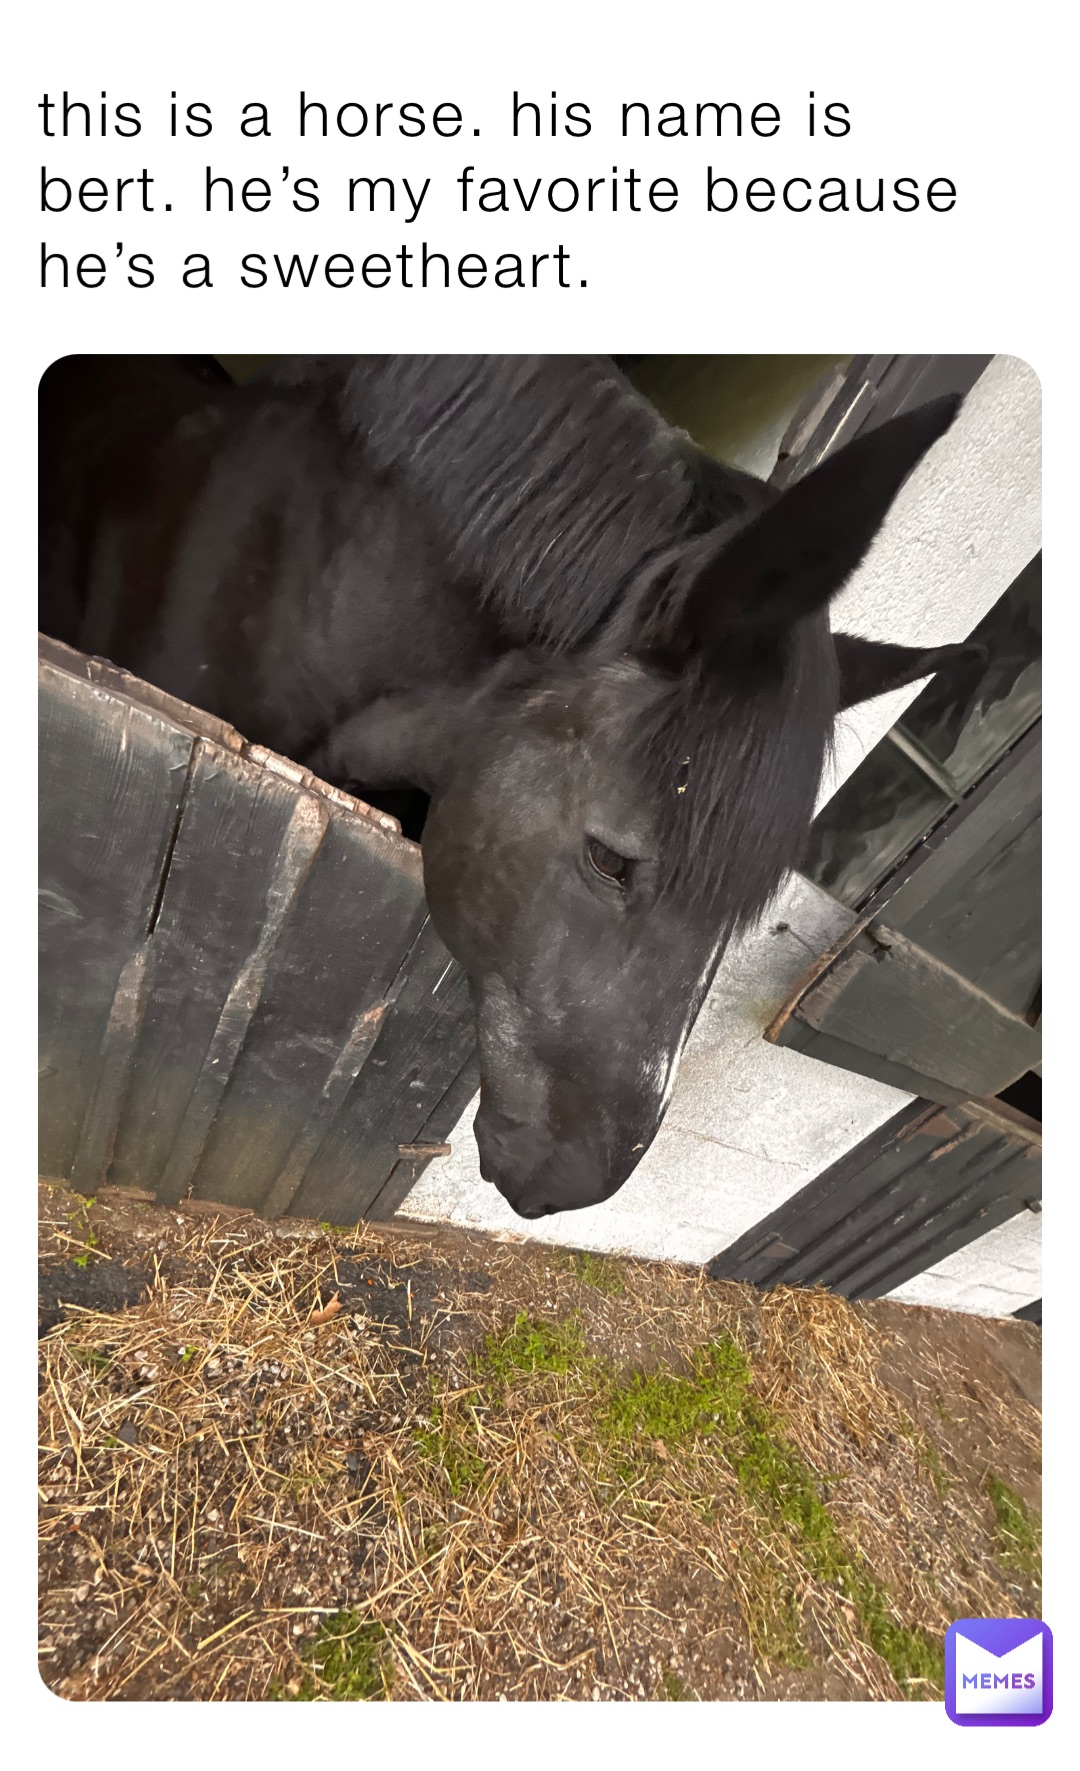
(509, 1152)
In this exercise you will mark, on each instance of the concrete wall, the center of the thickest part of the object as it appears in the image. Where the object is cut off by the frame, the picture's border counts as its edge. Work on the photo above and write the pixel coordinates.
(749, 1123)
(993, 1276)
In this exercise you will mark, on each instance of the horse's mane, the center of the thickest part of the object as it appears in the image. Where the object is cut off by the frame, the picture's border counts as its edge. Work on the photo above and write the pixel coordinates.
(550, 481)
(560, 492)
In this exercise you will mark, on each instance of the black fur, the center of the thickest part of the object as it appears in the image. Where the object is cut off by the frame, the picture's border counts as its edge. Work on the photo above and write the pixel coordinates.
(504, 581)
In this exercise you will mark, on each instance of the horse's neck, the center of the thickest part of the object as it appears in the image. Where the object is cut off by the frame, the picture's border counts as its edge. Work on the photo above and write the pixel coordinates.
(547, 481)
(296, 551)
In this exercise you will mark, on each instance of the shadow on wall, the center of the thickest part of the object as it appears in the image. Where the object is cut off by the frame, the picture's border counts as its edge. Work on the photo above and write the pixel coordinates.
(245, 368)
(737, 408)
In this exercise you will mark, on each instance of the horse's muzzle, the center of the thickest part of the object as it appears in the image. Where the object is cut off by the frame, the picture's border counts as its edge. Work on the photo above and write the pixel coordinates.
(537, 1175)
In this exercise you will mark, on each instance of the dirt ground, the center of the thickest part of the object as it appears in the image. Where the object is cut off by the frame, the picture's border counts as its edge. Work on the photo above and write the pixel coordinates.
(300, 1462)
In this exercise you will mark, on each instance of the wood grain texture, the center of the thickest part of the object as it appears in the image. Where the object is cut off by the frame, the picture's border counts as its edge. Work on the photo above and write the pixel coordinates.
(920, 1187)
(893, 1000)
(111, 780)
(936, 987)
(424, 1041)
(355, 917)
(215, 903)
(242, 998)
(976, 903)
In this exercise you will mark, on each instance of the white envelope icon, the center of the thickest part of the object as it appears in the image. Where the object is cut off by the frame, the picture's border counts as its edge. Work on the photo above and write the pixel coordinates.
(998, 1684)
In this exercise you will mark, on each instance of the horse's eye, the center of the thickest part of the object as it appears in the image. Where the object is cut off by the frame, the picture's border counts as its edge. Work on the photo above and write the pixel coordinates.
(616, 869)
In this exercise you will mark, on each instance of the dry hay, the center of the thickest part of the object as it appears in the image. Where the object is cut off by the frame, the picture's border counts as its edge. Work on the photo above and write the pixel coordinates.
(327, 1464)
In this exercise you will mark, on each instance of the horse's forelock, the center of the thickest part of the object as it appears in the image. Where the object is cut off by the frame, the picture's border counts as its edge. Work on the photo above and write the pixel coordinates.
(734, 772)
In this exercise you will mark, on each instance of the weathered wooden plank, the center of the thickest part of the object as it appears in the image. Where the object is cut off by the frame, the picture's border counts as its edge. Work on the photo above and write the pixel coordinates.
(111, 781)
(935, 989)
(803, 1228)
(989, 1199)
(441, 1122)
(97, 1140)
(121, 684)
(224, 888)
(974, 901)
(922, 1022)
(922, 1186)
(266, 976)
(976, 1178)
(354, 1054)
(356, 914)
(426, 1038)
(992, 930)
(292, 863)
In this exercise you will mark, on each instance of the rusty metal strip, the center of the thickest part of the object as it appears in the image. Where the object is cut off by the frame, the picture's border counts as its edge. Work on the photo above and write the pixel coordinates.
(814, 973)
(276, 764)
(962, 1137)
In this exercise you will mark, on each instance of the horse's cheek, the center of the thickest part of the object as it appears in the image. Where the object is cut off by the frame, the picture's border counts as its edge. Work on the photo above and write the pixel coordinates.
(466, 893)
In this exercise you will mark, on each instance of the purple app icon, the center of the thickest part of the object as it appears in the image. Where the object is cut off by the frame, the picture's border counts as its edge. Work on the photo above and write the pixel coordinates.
(999, 1672)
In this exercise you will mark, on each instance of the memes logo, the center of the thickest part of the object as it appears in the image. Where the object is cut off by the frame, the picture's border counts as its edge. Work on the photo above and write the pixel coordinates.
(998, 1672)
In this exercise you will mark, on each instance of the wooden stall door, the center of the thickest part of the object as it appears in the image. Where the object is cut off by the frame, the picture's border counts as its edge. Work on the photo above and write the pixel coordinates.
(242, 997)
(935, 989)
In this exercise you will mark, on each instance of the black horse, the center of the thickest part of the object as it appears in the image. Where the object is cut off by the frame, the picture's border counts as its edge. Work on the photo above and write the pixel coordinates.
(504, 582)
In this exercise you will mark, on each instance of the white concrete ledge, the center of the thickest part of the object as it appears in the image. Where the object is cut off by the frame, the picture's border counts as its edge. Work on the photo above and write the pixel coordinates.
(996, 1275)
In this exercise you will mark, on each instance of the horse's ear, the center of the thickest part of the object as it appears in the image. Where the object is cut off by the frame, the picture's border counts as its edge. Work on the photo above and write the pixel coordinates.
(791, 558)
(868, 668)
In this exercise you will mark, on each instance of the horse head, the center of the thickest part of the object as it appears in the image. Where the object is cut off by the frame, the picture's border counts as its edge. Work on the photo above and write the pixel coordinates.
(602, 823)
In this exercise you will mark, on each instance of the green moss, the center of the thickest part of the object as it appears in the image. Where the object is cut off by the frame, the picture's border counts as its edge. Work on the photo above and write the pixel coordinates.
(673, 1689)
(81, 1260)
(79, 1224)
(1019, 1531)
(348, 1662)
(642, 1419)
(300, 1481)
(771, 1609)
(937, 1474)
(531, 1347)
(716, 1399)
(91, 1357)
(650, 1406)
(602, 1274)
(773, 1474)
(432, 1539)
(453, 1443)
(916, 1660)
(454, 1439)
